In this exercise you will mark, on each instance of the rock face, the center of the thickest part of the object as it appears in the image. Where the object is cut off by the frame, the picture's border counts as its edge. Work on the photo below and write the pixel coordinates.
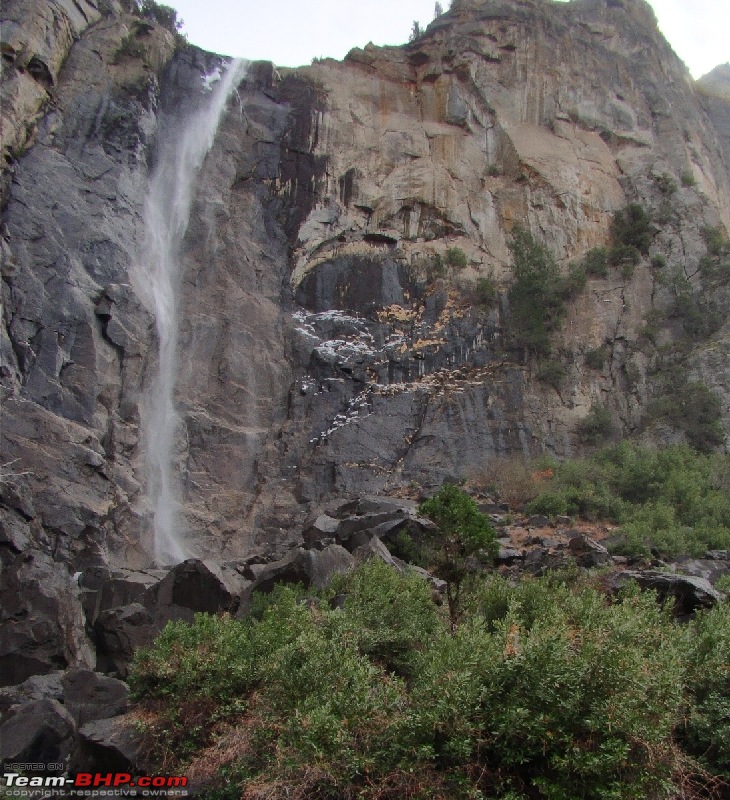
(332, 343)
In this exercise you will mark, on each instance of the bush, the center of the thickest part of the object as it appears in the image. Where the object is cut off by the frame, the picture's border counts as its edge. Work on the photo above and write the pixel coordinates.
(129, 47)
(666, 183)
(552, 373)
(463, 532)
(692, 408)
(161, 14)
(595, 262)
(707, 729)
(632, 232)
(596, 425)
(688, 179)
(545, 691)
(486, 292)
(595, 359)
(456, 257)
(538, 293)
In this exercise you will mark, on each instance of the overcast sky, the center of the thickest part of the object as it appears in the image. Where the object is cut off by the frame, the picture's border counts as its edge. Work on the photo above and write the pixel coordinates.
(293, 32)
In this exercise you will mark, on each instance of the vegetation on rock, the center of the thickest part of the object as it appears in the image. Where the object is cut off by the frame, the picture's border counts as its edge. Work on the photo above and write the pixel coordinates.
(545, 690)
(463, 532)
(538, 293)
(668, 501)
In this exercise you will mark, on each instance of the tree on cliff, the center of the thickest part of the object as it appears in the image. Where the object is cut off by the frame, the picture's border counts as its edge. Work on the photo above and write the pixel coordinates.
(464, 533)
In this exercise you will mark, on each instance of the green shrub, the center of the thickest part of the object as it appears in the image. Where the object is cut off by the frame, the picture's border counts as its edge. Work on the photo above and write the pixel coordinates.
(595, 262)
(666, 183)
(129, 47)
(538, 293)
(596, 425)
(707, 729)
(456, 257)
(688, 179)
(545, 690)
(632, 229)
(161, 14)
(486, 292)
(625, 256)
(716, 240)
(658, 261)
(463, 532)
(692, 408)
(596, 358)
(552, 373)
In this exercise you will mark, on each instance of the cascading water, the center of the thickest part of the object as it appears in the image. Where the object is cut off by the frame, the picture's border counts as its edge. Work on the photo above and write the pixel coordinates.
(166, 217)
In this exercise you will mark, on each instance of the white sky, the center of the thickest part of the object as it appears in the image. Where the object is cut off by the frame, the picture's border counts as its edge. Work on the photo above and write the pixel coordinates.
(293, 32)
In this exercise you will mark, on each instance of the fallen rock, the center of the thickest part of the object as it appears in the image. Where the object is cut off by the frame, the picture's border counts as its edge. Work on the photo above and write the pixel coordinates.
(89, 696)
(41, 619)
(41, 731)
(689, 593)
(508, 555)
(321, 566)
(111, 745)
(119, 632)
(322, 527)
(588, 553)
(190, 587)
(37, 687)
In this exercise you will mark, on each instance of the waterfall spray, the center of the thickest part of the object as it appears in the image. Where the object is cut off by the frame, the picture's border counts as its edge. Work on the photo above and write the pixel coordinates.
(166, 217)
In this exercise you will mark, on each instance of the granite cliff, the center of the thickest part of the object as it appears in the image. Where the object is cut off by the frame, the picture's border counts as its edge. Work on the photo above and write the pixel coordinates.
(333, 345)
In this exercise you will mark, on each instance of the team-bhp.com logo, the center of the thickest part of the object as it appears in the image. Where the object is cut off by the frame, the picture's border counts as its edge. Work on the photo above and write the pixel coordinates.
(94, 784)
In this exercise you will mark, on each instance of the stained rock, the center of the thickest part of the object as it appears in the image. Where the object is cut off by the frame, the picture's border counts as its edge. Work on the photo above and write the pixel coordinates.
(190, 587)
(37, 687)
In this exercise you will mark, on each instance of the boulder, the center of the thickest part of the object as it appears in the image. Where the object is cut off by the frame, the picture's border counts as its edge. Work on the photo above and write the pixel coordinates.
(588, 553)
(89, 696)
(689, 593)
(322, 565)
(103, 588)
(322, 527)
(41, 619)
(111, 745)
(191, 587)
(41, 731)
(508, 555)
(37, 687)
(119, 633)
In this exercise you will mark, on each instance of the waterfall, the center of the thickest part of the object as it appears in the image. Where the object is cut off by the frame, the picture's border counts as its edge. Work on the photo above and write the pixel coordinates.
(158, 277)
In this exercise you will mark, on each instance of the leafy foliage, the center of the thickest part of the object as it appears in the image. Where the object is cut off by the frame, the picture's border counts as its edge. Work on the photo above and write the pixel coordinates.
(161, 14)
(670, 501)
(486, 292)
(690, 407)
(463, 532)
(595, 359)
(544, 691)
(596, 426)
(456, 257)
(595, 262)
(632, 232)
(538, 293)
(552, 373)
